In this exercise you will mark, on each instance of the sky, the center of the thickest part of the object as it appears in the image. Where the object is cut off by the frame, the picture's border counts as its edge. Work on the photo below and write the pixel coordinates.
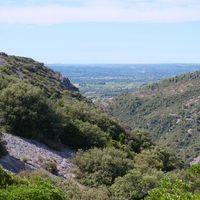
(101, 31)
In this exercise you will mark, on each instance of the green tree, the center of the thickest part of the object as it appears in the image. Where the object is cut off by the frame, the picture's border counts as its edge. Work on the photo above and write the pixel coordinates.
(79, 134)
(168, 190)
(193, 175)
(135, 184)
(160, 158)
(139, 139)
(14, 188)
(101, 167)
(6, 178)
(25, 111)
(183, 188)
(3, 150)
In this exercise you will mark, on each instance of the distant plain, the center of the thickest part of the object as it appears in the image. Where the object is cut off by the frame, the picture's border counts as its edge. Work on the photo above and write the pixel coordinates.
(102, 81)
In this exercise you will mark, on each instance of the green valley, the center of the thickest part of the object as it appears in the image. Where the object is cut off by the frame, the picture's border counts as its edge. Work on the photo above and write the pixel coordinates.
(110, 161)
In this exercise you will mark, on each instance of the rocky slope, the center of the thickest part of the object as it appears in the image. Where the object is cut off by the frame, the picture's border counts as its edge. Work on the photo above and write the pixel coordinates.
(2, 62)
(36, 73)
(30, 154)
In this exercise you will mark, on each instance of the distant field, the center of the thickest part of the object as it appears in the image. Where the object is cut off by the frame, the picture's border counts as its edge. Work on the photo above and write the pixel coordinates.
(105, 81)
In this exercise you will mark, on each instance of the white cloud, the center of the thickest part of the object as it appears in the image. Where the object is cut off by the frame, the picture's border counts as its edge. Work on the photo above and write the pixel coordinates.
(154, 11)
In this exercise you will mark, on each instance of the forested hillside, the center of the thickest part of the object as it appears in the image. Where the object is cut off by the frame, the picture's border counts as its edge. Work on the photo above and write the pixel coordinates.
(111, 163)
(169, 110)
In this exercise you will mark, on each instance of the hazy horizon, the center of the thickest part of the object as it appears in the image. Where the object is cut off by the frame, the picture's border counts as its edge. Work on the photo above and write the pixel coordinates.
(101, 31)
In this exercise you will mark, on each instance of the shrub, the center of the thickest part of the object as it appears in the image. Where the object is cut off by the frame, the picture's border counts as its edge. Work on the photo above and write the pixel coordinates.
(135, 184)
(6, 178)
(50, 166)
(40, 158)
(24, 158)
(101, 167)
(39, 189)
(168, 190)
(3, 150)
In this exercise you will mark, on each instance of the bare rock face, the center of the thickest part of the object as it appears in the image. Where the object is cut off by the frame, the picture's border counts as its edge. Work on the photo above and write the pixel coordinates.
(2, 62)
(66, 82)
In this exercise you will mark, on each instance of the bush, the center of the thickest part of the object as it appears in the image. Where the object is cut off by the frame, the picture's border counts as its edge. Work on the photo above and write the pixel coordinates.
(27, 112)
(101, 167)
(6, 178)
(139, 139)
(135, 184)
(51, 167)
(176, 191)
(3, 150)
(72, 189)
(38, 190)
(24, 158)
(3, 54)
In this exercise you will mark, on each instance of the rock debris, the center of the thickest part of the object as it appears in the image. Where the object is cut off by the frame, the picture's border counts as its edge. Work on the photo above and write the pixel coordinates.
(35, 153)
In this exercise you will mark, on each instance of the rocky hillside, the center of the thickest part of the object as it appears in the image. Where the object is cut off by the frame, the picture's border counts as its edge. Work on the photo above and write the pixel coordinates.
(36, 73)
(39, 103)
(169, 110)
(29, 154)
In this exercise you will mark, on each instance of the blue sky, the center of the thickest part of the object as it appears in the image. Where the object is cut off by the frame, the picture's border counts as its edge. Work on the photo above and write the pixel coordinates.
(102, 31)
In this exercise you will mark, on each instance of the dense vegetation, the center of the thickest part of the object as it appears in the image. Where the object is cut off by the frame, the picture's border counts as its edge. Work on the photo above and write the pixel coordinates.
(3, 151)
(169, 110)
(111, 163)
(32, 187)
(148, 183)
(40, 107)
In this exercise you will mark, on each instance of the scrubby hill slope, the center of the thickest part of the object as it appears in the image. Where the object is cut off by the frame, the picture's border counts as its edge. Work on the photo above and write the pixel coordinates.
(38, 103)
(111, 163)
(35, 72)
(169, 110)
